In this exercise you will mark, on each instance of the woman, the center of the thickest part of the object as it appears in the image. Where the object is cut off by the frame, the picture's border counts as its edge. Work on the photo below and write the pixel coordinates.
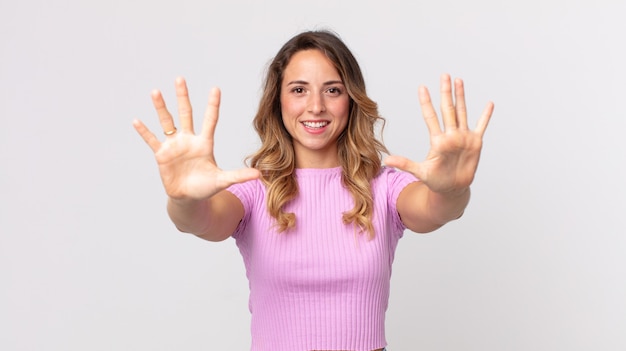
(316, 217)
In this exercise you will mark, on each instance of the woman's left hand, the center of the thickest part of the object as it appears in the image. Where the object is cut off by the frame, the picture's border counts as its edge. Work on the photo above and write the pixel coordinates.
(452, 161)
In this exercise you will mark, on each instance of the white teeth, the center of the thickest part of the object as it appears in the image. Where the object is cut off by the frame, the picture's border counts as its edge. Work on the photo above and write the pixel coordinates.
(315, 124)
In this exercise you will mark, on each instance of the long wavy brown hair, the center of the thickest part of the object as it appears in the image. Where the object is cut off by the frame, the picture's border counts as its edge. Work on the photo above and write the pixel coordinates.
(359, 150)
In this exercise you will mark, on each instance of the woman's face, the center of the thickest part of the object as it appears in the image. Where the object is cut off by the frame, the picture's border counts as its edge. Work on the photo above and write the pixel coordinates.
(315, 108)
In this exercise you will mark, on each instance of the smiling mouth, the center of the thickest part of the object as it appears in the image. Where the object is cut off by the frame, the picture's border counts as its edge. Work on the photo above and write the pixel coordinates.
(316, 125)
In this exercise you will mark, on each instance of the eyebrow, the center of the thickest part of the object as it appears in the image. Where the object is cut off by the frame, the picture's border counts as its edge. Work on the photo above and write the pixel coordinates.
(303, 82)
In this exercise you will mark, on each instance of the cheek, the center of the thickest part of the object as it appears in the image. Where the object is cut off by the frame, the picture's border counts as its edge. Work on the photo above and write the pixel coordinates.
(289, 108)
(343, 110)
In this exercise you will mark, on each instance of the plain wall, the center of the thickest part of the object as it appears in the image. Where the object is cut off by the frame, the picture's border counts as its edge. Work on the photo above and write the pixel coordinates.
(90, 261)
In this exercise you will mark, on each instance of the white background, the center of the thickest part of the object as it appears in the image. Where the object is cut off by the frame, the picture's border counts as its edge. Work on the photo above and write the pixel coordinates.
(90, 261)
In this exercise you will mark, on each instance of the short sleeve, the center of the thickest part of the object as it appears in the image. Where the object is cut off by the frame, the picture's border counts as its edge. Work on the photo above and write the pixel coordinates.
(249, 193)
(397, 180)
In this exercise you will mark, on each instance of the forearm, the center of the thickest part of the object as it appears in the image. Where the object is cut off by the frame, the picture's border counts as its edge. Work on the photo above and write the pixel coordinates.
(189, 216)
(443, 208)
(423, 210)
(213, 219)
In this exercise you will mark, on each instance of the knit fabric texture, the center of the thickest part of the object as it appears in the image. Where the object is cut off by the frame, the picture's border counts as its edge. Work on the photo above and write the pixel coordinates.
(323, 285)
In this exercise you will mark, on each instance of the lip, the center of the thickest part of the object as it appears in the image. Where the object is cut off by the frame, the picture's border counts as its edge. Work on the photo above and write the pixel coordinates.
(315, 130)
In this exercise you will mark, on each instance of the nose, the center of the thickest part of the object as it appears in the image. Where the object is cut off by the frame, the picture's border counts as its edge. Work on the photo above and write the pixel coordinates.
(316, 104)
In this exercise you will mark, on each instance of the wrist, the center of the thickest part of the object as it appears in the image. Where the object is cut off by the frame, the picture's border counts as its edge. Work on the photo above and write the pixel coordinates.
(453, 194)
(448, 206)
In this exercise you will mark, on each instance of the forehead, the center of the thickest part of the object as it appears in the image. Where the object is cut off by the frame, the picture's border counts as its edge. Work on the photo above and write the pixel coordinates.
(310, 63)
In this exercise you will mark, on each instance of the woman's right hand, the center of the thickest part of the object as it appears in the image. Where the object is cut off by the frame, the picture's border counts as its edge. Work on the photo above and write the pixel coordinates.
(186, 160)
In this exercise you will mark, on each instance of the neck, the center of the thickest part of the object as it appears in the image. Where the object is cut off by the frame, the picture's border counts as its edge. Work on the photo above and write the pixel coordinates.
(317, 159)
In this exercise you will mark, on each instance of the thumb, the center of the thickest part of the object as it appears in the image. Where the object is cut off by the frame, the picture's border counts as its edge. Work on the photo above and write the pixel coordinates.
(240, 176)
(405, 164)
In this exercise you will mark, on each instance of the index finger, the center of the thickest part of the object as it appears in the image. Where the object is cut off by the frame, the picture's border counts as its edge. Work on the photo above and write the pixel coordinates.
(485, 118)
(430, 116)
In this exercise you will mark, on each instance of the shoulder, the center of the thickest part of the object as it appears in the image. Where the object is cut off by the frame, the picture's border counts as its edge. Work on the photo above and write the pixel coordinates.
(392, 178)
(248, 192)
(389, 183)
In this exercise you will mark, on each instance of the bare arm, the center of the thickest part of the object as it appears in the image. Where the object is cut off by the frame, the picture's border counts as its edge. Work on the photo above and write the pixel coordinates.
(423, 210)
(213, 219)
(450, 166)
(195, 186)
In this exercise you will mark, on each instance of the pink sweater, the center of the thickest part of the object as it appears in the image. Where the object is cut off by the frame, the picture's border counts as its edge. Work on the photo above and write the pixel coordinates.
(321, 286)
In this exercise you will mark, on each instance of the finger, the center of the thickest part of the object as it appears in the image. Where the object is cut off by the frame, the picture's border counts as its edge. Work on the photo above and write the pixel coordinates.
(448, 113)
(459, 102)
(239, 176)
(212, 114)
(165, 118)
(404, 164)
(185, 112)
(430, 116)
(483, 122)
(146, 135)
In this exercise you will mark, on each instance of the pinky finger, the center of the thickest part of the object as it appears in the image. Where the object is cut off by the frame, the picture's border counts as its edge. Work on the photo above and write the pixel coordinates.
(147, 135)
(483, 122)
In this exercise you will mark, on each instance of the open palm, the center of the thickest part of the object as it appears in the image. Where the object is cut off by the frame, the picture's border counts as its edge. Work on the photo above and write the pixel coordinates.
(186, 161)
(454, 153)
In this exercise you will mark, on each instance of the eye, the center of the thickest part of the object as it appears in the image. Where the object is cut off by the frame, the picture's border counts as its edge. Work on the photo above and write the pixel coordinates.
(334, 91)
(297, 90)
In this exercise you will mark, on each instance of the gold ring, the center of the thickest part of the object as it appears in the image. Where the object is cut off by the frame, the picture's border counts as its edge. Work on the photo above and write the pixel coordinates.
(168, 133)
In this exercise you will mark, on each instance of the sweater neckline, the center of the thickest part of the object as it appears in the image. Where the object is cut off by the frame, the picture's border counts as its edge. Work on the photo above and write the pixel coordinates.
(317, 171)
